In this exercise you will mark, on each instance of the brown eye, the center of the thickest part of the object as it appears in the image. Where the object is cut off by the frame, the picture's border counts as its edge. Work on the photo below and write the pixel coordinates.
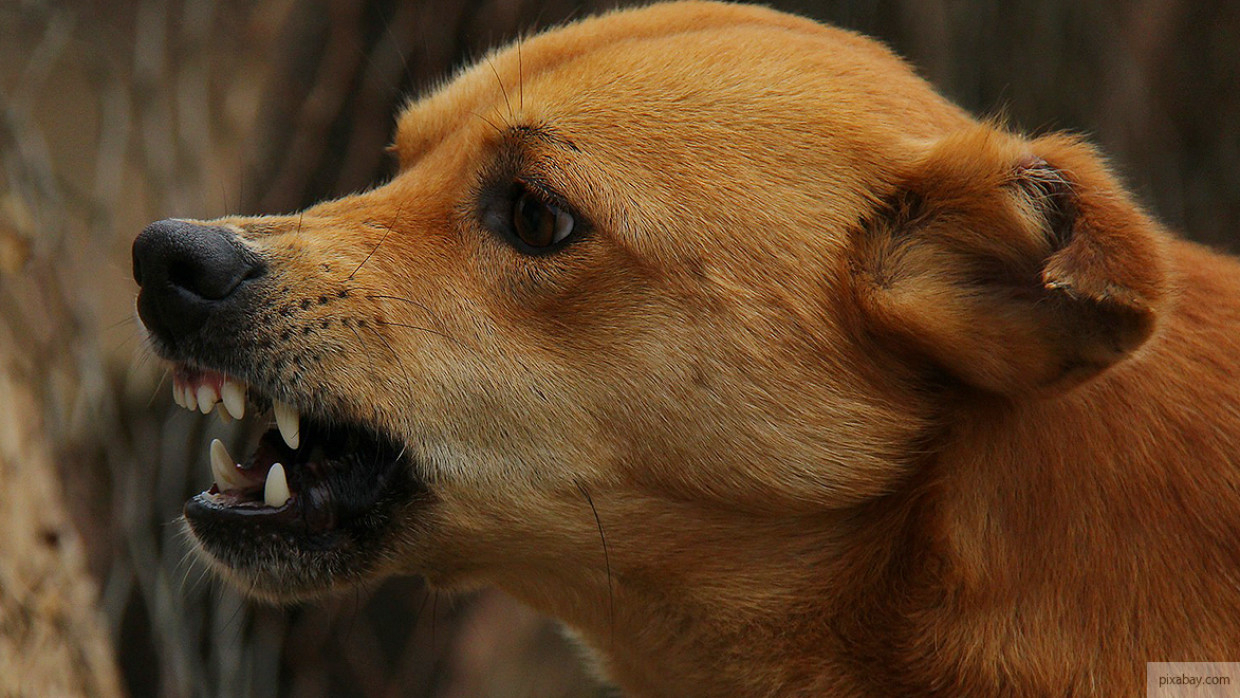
(539, 224)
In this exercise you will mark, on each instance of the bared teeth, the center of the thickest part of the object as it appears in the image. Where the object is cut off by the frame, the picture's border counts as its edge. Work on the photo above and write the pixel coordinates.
(178, 394)
(224, 468)
(200, 391)
(275, 492)
(207, 397)
(288, 420)
(233, 394)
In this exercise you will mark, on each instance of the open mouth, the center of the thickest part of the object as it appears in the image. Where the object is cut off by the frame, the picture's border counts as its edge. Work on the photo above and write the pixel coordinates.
(306, 475)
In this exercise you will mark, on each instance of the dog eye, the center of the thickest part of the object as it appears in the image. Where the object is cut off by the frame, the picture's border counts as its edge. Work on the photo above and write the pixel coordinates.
(538, 223)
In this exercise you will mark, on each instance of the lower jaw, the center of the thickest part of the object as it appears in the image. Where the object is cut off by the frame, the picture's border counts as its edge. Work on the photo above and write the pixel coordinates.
(285, 554)
(340, 488)
(272, 557)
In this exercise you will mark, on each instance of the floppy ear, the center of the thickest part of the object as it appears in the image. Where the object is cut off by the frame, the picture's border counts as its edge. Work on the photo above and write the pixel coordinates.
(1013, 264)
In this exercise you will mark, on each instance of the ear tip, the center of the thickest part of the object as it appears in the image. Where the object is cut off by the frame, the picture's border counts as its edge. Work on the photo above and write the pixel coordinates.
(1092, 270)
(1129, 269)
(1118, 318)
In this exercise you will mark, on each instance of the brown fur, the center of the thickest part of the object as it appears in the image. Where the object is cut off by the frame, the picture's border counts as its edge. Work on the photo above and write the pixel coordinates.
(868, 398)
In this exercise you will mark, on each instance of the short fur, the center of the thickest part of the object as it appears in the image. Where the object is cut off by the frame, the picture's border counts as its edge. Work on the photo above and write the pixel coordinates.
(841, 393)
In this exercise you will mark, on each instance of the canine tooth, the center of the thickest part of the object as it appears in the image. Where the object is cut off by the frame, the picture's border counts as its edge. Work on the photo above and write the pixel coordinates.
(224, 468)
(225, 416)
(275, 492)
(206, 398)
(288, 420)
(233, 394)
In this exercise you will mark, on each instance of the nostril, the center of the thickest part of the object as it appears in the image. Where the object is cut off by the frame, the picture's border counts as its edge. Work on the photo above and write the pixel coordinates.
(204, 261)
(191, 277)
(188, 272)
(206, 278)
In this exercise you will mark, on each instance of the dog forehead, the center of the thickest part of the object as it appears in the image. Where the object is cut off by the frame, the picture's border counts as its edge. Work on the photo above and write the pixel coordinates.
(425, 120)
(680, 60)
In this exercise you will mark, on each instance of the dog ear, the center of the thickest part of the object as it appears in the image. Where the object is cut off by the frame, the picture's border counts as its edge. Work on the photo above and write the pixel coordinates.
(1013, 264)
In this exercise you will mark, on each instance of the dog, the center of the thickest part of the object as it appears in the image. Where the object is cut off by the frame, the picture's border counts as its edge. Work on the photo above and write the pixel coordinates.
(720, 336)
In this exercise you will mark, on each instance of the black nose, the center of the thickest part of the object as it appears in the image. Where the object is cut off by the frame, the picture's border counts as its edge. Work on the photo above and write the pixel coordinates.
(187, 271)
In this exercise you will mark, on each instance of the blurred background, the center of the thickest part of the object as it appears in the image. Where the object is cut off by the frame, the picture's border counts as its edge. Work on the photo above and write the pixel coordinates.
(114, 113)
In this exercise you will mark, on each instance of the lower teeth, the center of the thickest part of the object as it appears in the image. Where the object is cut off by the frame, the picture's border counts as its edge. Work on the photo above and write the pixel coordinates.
(275, 491)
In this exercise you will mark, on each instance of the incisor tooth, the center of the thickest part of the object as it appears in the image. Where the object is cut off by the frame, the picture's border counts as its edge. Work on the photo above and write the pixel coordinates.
(288, 420)
(275, 492)
(206, 399)
(176, 395)
(233, 394)
(224, 468)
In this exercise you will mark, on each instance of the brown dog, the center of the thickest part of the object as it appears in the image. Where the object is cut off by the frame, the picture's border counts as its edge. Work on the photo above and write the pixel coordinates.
(720, 336)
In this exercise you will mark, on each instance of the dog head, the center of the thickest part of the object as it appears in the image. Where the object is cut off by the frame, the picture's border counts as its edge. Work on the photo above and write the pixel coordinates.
(678, 273)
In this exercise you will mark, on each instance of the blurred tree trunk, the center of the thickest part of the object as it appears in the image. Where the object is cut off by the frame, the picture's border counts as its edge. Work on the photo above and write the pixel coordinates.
(52, 641)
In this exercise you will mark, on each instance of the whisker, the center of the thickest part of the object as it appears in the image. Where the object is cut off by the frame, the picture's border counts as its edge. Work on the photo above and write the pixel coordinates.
(419, 327)
(128, 319)
(124, 340)
(387, 231)
(370, 359)
(159, 387)
(236, 617)
(186, 565)
(204, 577)
(502, 89)
(372, 252)
(422, 306)
(145, 360)
(488, 122)
(399, 362)
(611, 598)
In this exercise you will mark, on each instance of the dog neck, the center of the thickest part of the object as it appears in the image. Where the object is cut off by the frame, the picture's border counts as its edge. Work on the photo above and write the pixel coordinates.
(918, 589)
(659, 624)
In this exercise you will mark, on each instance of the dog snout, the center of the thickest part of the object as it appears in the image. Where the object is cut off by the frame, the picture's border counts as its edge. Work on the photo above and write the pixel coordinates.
(186, 271)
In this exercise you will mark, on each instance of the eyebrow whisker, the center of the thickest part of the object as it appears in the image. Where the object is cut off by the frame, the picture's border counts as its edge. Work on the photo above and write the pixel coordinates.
(503, 90)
